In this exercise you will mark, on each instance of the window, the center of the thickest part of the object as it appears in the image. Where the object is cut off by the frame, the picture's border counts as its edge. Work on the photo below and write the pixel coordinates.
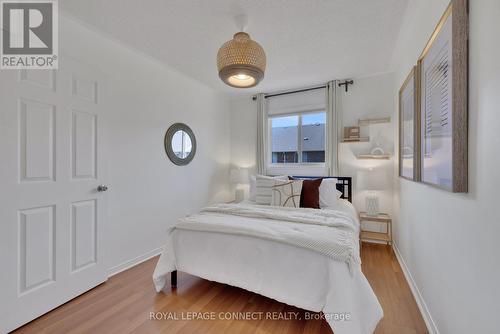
(298, 138)
(284, 132)
(296, 133)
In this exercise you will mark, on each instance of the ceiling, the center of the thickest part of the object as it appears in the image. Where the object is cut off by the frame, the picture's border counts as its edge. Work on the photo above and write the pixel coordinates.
(306, 41)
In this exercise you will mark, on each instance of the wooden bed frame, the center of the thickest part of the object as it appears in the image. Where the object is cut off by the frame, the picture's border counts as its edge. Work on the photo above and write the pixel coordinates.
(344, 185)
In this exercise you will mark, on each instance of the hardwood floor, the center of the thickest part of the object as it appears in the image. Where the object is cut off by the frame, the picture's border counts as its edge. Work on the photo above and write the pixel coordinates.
(123, 305)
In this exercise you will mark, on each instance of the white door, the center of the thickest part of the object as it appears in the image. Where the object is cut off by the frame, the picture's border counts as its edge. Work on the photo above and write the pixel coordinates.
(51, 214)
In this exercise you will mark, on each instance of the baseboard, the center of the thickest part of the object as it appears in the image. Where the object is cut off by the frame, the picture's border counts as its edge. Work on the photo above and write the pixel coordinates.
(133, 262)
(424, 310)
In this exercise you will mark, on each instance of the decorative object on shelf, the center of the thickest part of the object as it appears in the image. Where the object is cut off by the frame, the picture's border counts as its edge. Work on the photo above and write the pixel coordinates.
(351, 133)
(409, 127)
(180, 144)
(379, 236)
(444, 85)
(377, 151)
(372, 181)
(241, 62)
(239, 176)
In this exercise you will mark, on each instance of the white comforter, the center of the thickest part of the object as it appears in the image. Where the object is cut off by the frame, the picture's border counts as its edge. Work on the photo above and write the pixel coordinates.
(328, 232)
(223, 243)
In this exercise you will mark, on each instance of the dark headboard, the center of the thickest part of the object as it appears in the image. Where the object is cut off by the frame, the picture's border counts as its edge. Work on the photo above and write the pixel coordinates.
(344, 184)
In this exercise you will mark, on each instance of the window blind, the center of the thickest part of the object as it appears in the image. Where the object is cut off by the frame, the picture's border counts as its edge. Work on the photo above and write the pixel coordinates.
(296, 102)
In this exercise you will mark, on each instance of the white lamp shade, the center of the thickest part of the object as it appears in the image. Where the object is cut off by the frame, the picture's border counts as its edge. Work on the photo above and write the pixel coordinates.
(372, 180)
(238, 175)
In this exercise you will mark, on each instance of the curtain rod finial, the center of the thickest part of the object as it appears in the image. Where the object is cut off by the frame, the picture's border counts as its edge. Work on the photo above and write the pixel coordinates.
(346, 83)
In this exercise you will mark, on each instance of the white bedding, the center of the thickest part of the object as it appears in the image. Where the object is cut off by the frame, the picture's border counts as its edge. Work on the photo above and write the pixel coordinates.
(293, 275)
(328, 232)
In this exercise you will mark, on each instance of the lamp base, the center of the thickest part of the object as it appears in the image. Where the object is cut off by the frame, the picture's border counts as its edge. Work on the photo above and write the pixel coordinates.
(239, 195)
(372, 205)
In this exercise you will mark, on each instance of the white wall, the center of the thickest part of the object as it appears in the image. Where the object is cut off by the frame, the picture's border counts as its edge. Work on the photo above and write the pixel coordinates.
(448, 241)
(243, 132)
(369, 97)
(143, 98)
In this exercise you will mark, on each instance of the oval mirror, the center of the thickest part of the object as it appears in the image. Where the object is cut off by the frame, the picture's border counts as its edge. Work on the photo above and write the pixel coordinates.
(180, 144)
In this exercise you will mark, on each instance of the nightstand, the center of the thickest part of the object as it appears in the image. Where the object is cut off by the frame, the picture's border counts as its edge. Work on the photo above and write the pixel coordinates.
(379, 236)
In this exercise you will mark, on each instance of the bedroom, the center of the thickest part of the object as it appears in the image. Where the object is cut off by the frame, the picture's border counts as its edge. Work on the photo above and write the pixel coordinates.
(127, 140)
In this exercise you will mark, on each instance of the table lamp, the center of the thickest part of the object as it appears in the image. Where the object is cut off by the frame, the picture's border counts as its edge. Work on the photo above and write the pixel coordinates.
(372, 181)
(239, 176)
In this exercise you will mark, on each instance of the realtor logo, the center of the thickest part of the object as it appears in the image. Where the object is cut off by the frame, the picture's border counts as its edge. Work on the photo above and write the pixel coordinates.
(29, 34)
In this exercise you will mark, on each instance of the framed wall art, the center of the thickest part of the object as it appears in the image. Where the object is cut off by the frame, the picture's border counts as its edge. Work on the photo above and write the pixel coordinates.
(443, 71)
(409, 138)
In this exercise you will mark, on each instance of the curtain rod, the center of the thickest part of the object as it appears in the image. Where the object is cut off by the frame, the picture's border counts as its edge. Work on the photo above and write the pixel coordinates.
(345, 83)
(291, 92)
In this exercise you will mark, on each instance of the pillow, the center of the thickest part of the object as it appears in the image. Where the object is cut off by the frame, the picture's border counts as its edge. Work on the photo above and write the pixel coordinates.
(286, 193)
(263, 186)
(328, 193)
(309, 196)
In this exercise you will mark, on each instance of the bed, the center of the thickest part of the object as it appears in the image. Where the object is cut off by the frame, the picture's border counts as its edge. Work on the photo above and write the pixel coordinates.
(310, 272)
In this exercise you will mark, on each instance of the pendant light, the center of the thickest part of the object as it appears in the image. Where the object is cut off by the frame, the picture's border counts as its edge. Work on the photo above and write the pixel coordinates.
(241, 61)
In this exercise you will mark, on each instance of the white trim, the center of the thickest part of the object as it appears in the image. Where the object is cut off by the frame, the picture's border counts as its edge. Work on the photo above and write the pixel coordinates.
(422, 306)
(133, 262)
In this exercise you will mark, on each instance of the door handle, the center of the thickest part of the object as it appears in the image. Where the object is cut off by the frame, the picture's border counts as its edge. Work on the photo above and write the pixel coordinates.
(102, 187)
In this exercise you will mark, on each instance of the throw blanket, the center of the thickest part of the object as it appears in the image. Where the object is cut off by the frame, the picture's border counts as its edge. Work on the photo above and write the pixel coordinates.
(331, 233)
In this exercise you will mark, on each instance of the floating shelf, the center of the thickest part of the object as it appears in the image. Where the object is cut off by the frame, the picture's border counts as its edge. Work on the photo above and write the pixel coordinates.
(356, 140)
(374, 156)
(368, 121)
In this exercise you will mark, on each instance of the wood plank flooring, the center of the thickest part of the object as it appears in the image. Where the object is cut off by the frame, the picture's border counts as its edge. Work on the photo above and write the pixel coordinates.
(123, 305)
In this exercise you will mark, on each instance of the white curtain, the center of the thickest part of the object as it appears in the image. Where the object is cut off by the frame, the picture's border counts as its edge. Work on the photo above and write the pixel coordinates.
(261, 163)
(334, 121)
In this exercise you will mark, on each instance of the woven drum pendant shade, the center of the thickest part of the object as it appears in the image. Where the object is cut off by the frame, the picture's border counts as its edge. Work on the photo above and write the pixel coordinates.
(241, 61)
